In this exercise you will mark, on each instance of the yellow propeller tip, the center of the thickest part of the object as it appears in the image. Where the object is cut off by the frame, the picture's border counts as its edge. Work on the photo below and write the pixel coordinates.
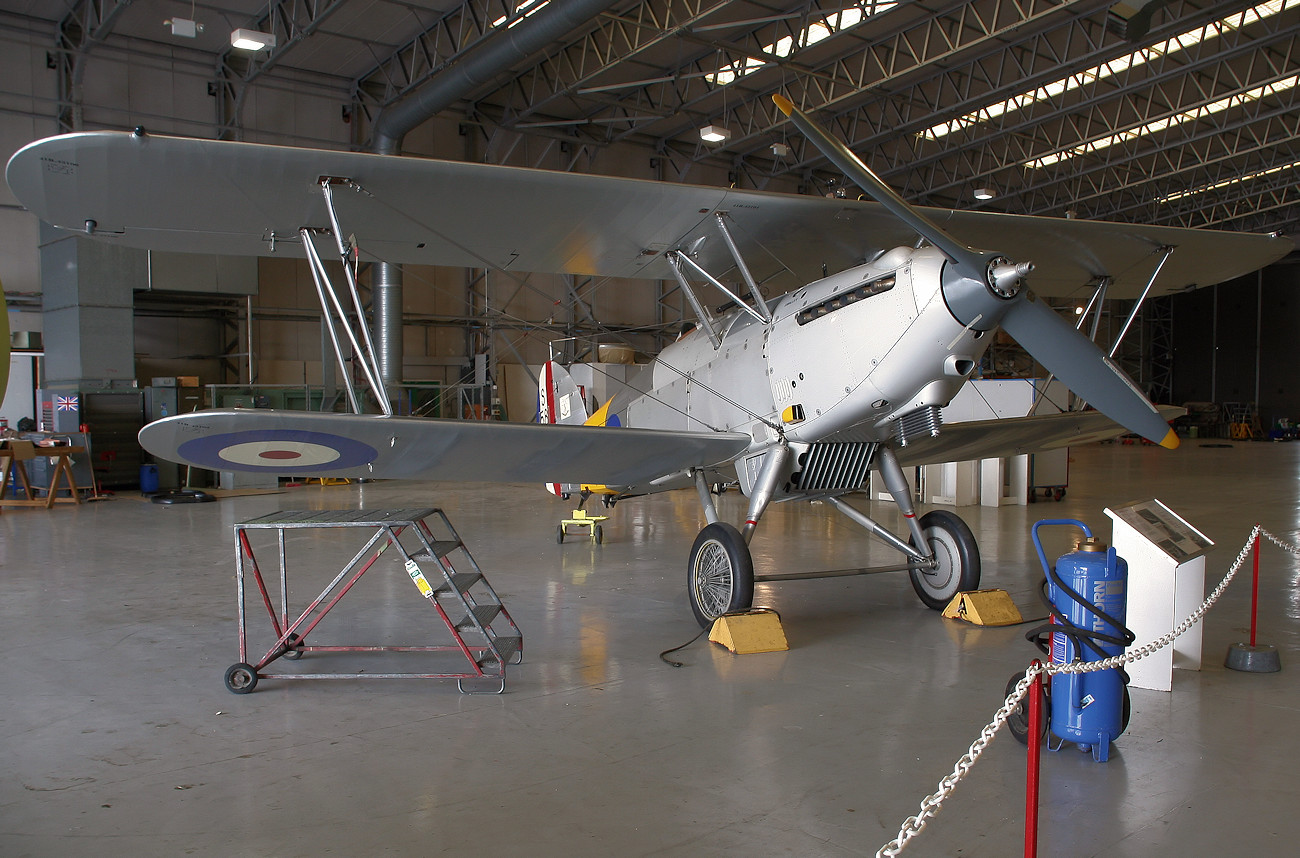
(785, 105)
(1170, 441)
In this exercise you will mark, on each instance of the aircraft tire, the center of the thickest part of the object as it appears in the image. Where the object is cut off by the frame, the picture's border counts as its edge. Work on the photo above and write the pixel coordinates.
(959, 560)
(720, 577)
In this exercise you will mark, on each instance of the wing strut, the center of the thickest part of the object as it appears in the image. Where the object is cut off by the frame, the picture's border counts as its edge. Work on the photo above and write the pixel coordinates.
(363, 349)
(1137, 305)
(760, 306)
(675, 260)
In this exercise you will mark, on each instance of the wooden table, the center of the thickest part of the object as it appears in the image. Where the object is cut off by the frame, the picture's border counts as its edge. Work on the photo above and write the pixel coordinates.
(16, 453)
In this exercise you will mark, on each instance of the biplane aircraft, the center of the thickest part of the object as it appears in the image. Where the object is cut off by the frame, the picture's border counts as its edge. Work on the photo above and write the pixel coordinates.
(879, 313)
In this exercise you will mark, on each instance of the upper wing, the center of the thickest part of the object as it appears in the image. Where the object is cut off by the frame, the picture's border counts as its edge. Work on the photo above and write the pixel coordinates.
(222, 197)
(369, 445)
(1012, 436)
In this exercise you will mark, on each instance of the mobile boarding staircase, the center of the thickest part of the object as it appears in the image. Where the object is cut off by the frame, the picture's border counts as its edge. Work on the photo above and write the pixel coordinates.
(481, 628)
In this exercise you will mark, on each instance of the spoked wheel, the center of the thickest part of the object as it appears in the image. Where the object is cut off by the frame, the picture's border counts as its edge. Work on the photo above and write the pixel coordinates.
(720, 578)
(1018, 720)
(957, 559)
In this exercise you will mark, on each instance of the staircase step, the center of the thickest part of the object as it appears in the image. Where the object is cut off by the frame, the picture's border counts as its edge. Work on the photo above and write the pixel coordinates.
(460, 582)
(508, 645)
(441, 548)
(485, 614)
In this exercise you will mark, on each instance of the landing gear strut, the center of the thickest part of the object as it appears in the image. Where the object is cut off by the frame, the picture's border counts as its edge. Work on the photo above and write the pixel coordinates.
(941, 555)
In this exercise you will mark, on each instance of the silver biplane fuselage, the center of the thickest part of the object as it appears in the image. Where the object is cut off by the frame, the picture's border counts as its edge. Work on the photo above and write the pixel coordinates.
(844, 358)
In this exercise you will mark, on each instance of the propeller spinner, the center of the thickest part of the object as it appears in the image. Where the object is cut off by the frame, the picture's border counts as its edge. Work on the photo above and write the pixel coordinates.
(984, 290)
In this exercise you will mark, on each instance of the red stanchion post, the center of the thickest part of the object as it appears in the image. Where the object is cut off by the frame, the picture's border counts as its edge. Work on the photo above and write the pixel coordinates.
(1254, 657)
(1032, 761)
(1254, 589)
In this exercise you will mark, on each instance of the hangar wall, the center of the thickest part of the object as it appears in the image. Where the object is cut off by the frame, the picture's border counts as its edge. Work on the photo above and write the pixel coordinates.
(1236, 342)
(167, 91)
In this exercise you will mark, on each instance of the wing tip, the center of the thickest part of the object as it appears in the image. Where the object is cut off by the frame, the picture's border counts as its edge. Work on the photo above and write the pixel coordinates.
(784, 104)
(1170, 441)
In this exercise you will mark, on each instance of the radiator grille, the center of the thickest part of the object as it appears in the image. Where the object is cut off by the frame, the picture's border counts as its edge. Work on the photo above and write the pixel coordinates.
(834, 466)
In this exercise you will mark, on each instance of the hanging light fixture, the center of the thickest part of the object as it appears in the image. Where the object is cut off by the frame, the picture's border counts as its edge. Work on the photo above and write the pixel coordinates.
(715, 133)
(251, 40)
(985, 193)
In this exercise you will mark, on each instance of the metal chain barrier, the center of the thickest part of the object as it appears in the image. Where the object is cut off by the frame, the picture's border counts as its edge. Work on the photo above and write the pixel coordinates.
(931, 804)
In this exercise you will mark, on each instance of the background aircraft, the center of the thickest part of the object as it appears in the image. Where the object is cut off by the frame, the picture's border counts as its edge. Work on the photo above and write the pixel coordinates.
(797, 396)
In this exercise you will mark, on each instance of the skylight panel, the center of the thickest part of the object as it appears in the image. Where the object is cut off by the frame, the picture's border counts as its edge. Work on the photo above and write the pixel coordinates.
(835, 22)
(527, 7)
(1114, 67)
(1157, 125)
(1224, 183)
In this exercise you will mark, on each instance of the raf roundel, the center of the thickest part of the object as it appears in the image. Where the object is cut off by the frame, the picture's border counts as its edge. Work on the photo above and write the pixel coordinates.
(280, 451)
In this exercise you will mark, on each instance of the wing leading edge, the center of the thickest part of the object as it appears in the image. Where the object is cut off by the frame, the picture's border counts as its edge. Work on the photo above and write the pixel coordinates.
(347, 445)
(1013, 436)
(141, 190)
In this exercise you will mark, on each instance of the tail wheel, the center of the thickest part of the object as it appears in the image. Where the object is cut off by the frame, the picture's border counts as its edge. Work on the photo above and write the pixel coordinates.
(957, 560)
(720, 577)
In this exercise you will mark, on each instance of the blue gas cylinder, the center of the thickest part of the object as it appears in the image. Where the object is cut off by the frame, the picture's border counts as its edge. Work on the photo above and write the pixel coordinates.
(148, 478)
(1087, 592)
(1087, 708)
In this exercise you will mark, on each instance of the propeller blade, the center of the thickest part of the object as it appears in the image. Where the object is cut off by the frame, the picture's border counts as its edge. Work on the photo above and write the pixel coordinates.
(852, 166)
(1075, 360)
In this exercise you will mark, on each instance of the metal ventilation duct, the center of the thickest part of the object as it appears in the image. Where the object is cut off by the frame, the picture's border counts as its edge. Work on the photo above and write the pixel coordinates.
(476, 68)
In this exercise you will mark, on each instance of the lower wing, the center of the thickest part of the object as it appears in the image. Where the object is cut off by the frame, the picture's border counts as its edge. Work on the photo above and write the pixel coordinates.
(1012, 436)
(297, 443)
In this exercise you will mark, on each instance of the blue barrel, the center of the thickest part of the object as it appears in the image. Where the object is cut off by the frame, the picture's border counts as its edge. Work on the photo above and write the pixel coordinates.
(148, 478)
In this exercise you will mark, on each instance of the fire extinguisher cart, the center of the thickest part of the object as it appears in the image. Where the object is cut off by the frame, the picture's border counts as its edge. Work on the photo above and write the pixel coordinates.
(1084, 595)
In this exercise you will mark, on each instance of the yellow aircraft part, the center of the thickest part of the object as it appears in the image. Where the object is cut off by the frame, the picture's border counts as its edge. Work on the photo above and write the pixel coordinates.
(601, 417)
(1170, 441)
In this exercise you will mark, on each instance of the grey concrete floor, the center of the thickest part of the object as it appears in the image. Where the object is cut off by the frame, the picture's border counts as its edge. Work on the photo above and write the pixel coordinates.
(118, 737)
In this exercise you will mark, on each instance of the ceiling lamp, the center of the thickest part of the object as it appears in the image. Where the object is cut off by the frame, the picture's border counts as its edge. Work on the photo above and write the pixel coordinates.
(251, 40)
(781, 150)
(985, 193)
(714, 133)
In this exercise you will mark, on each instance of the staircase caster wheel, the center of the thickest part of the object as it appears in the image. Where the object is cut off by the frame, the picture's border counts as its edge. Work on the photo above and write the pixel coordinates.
(597, 535)
(1018, 720)
(559, 535)
(241, 678)
(292, 652)
(1057, 494)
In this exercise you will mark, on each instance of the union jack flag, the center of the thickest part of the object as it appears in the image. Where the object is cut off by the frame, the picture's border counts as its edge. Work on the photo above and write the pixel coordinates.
(65, 403)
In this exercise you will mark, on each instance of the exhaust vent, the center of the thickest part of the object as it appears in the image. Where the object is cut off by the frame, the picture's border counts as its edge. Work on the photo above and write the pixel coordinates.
(922, 423)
